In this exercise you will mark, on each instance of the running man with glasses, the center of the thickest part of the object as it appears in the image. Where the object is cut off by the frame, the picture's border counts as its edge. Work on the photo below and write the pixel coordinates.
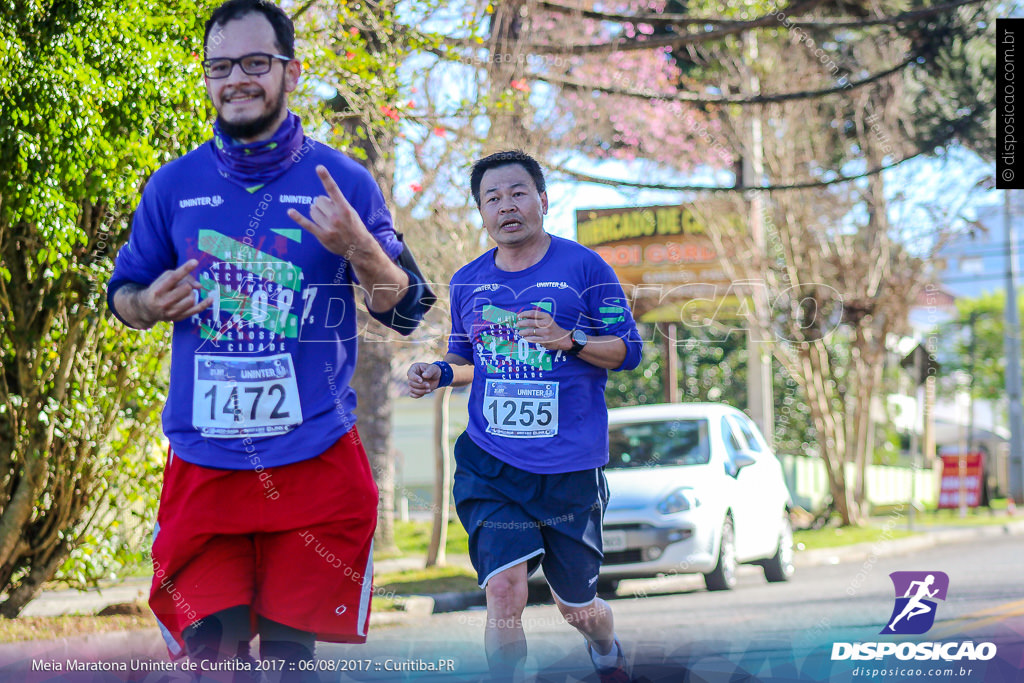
(251, 246)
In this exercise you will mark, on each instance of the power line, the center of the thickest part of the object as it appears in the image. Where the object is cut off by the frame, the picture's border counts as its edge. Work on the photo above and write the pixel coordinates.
(696, 98)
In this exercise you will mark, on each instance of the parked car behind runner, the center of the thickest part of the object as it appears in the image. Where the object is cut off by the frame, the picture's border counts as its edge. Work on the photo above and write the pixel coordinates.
(694, 489)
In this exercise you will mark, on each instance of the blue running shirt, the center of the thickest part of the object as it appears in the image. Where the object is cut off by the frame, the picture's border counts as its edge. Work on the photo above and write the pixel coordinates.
(539, 410)
(261, 378)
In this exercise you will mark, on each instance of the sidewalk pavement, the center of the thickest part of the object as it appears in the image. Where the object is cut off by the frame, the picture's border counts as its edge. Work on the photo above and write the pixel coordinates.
(929, 536)
(53, 603)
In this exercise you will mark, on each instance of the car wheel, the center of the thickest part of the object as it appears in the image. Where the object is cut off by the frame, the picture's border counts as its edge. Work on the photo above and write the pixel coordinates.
(607, 586)
(723, 576)
(779, 567)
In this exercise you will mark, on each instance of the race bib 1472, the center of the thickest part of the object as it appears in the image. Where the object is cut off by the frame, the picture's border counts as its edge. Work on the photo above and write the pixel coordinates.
(237, 397)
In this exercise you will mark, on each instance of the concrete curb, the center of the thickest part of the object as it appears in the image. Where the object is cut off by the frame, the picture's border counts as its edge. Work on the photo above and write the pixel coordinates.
(56, 603)
(926, 539)
(413, 607)
(458, 601)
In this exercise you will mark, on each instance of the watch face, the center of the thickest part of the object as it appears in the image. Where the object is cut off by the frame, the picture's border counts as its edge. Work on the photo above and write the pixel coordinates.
(579, 337)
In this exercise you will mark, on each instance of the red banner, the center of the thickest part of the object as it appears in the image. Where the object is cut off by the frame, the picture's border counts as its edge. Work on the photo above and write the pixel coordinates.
(949, 491)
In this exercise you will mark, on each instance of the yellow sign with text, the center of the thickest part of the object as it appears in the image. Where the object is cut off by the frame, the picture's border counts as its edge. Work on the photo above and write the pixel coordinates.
(665, 260)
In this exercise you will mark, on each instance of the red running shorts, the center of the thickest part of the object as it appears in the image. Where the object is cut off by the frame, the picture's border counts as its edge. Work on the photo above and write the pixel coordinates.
(294, 542)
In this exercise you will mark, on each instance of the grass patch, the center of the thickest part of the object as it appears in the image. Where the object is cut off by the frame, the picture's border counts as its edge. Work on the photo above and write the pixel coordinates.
(833, 537)
(975, 517)
(23, 629)
(413, 538)
(426, 581)
(382, 604)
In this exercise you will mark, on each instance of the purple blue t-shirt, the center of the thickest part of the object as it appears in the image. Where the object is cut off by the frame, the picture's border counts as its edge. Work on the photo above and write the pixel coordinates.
(261, 377)
(539, 410)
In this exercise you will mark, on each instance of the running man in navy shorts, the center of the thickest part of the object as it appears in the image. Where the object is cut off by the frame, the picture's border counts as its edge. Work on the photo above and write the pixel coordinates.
(537, 323)
(251, 245)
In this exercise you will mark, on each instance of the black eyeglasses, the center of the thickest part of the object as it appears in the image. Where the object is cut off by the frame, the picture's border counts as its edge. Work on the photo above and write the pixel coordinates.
(254, 64)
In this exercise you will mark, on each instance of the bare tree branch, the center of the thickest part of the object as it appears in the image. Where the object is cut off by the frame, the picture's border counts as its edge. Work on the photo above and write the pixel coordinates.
(302, 10)
(666, 19)
(727, 29)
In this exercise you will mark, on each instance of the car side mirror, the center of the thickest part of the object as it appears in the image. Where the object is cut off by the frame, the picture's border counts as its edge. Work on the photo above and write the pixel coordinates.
(743, 459)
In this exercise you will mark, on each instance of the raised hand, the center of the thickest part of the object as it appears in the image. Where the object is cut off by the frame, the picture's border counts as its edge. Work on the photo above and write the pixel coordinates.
(333, 221)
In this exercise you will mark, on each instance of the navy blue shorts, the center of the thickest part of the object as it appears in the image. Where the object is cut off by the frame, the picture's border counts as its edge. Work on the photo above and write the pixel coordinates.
(514, 516)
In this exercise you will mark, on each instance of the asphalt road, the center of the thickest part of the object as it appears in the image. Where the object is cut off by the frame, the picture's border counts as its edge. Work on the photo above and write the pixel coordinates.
(674, 630)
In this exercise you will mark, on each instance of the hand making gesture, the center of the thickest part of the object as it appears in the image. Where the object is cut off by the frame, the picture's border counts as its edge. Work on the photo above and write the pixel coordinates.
(333, 221)
(172, 297)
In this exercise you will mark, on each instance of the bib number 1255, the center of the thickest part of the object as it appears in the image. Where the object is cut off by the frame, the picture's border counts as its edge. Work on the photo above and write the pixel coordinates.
(519, 409)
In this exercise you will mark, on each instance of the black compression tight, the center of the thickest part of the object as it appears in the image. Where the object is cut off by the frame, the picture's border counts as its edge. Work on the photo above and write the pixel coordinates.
(224, 636)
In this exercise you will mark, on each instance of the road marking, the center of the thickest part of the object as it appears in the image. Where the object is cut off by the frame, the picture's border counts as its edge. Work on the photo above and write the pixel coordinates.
(981, 618)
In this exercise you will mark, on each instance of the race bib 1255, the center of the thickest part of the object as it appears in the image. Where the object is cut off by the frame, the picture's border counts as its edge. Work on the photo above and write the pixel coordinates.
(521, 409)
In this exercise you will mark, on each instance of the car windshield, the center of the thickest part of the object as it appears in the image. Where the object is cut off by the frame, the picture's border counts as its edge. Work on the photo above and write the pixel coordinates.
(652, 444)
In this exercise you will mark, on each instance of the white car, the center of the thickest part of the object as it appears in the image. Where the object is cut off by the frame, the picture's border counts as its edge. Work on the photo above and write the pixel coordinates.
(694, 489)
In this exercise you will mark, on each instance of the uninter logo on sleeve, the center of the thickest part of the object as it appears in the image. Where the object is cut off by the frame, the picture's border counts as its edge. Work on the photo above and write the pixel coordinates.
(215, 200)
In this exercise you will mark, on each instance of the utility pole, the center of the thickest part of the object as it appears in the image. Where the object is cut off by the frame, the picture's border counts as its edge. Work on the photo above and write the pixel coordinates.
(923, 368)
(915, 438)
(972, 320)
(1012, 345)
(670, 371)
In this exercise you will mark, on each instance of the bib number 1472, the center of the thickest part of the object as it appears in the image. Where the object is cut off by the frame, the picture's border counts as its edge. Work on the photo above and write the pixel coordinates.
(245, 396)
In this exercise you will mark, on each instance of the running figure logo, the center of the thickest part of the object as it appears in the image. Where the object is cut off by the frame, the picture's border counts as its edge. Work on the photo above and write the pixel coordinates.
(916, 593)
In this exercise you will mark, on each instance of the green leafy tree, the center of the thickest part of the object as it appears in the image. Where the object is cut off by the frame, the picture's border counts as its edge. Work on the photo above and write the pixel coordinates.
(713, 367)
(974, 343)
(355, 102)
(642, 385)
(97, 95)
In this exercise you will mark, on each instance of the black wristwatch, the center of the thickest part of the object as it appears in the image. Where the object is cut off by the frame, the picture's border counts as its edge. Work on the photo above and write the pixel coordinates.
(579, 340)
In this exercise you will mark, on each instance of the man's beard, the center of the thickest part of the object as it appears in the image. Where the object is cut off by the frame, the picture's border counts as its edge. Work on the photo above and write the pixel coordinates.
(247, 130)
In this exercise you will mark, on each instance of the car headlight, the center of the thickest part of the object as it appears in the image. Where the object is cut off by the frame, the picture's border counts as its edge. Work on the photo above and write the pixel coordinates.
(679, 500)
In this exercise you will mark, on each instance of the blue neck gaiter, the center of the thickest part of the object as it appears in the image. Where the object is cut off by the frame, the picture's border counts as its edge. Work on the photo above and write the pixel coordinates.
(253, 165)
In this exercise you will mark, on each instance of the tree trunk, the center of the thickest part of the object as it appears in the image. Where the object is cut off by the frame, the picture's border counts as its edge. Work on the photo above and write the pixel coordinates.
(15, 516)
(507, 63)
(29, 587)
(372, 382)
(831, 434)
(442, 478)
